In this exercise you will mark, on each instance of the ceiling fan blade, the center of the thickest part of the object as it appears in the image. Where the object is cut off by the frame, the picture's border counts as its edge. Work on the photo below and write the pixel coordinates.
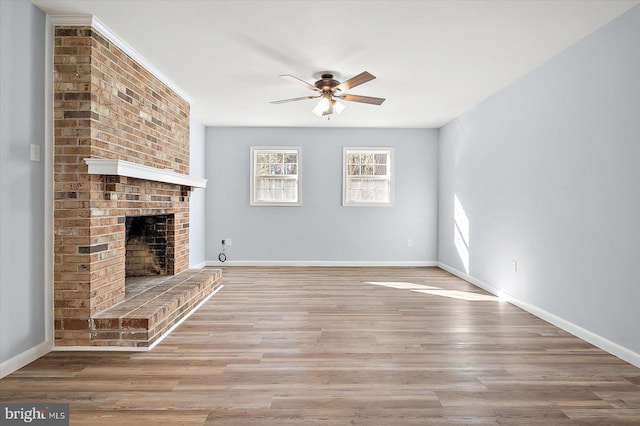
(355, 81)
(294, 99)
(363, 99)
(300, 82)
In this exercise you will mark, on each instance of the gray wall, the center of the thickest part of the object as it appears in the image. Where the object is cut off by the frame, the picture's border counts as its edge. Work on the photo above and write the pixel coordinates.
(22, 39)
(196, 200)
(548, 173)
(321, 229)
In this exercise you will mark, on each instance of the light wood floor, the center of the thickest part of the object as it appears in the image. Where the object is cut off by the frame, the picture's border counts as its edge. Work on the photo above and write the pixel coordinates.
(323, 346)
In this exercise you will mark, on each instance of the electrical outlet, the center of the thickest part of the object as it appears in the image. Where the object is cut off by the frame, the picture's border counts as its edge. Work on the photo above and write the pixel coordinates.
(35, 152)
(409, 243)
(226, 242)
(514, 266)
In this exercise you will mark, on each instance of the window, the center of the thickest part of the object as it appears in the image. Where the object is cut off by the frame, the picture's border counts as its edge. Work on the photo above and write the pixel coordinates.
(367, 177)
(275, 177)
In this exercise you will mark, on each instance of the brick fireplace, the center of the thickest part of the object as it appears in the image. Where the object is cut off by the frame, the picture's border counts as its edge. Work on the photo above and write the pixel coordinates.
(107, 106)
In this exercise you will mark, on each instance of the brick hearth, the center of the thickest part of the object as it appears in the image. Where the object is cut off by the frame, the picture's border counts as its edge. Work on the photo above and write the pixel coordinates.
(149, 312)
(108, 106)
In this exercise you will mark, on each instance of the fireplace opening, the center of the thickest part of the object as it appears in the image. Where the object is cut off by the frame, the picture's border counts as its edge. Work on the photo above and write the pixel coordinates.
(149, 245)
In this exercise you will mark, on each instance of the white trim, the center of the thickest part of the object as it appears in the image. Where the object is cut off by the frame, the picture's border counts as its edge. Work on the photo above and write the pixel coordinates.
(199, 265)
(390, 176)
(92, 21)
(253, 151)
(331, 263)
(99, 349)
(9, 366)
(49, 244)
(12, 364)
(603, 343)
(104, 166)
(136, 349)
(471, 279)
(71, 20)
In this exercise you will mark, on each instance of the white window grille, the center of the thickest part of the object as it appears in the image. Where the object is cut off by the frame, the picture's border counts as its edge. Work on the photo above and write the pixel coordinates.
(367, 177)
(275, 176)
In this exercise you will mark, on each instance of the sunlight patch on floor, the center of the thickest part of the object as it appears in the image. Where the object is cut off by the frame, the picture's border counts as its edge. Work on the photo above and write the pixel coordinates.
(461, 295)
(437, 291)
(402, 285)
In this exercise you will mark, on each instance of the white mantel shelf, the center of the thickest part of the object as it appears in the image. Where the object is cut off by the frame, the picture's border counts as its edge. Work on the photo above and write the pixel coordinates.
(103, 166)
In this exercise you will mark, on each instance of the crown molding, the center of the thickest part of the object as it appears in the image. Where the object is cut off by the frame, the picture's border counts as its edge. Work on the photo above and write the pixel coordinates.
(106, 32)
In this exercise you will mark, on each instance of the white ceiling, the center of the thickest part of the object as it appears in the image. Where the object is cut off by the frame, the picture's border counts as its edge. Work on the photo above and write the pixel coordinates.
(432, 59)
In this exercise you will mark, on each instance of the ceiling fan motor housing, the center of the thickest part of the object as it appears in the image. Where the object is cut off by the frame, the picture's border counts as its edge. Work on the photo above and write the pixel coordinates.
(326, 83)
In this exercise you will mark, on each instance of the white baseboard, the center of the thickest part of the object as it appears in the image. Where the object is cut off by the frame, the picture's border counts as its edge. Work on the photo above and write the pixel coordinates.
(12, 364)
(135, 349)
(100, 348)
(199, 265)
(334, 263)
(607, 345)
(471, 279)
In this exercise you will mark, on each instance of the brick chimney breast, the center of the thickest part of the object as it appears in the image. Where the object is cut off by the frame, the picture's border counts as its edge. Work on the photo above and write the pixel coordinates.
(106, 105)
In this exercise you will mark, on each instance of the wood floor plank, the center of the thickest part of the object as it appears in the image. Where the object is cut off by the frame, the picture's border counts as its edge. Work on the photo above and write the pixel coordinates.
(343, 346)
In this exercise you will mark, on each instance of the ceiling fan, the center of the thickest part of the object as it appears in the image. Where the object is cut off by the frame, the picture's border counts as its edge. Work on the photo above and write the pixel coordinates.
(330, 90)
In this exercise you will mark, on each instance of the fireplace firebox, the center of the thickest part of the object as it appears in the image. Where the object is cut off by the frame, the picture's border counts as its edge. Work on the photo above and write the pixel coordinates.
(149, 245)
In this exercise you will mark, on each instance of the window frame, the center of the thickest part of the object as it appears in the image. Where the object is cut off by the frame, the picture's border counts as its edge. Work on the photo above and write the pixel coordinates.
(254, 151)
(390, 175)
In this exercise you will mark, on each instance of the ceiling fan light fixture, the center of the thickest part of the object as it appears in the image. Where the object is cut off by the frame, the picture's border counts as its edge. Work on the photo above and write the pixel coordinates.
(322, 108)
(338, 106)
